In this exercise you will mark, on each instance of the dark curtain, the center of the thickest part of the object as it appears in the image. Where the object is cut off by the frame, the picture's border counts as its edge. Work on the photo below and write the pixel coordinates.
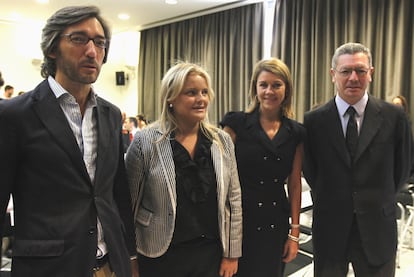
(307, 32)
(227, 44)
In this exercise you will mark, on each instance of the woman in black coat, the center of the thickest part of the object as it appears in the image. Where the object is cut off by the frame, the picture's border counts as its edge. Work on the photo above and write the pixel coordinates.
(269, 148)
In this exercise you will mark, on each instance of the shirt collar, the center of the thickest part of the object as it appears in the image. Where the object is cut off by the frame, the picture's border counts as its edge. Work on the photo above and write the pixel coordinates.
(58, 91)
(359, 106)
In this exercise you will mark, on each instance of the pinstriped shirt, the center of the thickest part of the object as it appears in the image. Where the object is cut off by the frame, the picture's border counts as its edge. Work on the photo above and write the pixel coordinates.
(85, 130)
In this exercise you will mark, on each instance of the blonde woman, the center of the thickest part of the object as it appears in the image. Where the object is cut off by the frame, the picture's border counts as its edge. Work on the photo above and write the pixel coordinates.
(184, 183)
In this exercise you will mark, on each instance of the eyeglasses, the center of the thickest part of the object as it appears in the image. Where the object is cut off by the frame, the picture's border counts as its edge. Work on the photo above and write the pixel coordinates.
(346, 72)
(82, 39)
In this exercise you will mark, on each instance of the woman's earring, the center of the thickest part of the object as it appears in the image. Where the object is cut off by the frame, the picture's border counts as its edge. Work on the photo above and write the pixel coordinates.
(170, 105)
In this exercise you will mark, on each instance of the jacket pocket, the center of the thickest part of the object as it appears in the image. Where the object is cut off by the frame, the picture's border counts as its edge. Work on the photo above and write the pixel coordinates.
(144, 216)
(39, 248)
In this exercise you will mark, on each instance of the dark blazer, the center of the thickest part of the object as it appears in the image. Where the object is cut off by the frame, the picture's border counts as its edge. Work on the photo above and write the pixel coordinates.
(55, 203)
(366, 188)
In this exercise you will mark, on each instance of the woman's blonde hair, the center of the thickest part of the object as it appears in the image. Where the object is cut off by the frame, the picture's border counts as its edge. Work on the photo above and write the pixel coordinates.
(280, 69)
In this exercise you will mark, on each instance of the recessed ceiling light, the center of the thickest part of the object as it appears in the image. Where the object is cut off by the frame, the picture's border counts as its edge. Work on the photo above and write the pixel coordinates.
(171, 2)
(123, 16)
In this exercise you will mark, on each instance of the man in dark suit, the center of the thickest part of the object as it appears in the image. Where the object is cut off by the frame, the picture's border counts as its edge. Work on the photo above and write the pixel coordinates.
(62, 160)
(354, 186)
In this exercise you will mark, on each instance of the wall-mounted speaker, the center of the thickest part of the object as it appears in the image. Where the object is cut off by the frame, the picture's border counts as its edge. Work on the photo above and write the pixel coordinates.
(120, 78)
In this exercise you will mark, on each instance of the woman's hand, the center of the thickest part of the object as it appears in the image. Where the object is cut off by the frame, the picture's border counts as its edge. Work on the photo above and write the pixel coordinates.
(228, 267)
(134, 268)
(290, 250)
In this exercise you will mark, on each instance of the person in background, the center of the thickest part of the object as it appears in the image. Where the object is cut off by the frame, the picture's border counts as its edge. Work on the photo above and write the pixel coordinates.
(6, 231)
(1, 80)
(185, 188)
(404, 195)
(126, 138)
(269, 149)
(142, 121)
(400, 101)
(65, 164)
(357, 157)
(8, 92)
(131, 125)
(1, 83)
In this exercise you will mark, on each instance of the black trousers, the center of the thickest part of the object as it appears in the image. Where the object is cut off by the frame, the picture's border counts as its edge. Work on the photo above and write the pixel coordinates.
(197, 258)
(325, 267)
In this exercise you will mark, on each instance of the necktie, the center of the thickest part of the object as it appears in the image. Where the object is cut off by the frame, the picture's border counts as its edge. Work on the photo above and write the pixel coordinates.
(351, 132)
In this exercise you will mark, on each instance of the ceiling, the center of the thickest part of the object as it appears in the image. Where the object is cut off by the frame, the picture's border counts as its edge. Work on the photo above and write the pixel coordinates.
(143, 13)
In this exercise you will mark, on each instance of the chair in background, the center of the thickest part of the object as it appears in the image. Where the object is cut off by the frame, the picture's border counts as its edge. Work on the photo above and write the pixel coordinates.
(304, 259)
(405, 215)
(7, 239)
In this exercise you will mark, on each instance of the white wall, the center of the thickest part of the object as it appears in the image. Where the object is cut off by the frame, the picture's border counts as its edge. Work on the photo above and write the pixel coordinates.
(20, 58)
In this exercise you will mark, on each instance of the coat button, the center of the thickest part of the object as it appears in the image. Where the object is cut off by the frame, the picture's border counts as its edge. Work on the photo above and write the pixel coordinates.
(272, 226)
(278, 159)
(260, 204)
(265, 158)
(276, 180)
(274, 203)
(261, 182)
(259, 228)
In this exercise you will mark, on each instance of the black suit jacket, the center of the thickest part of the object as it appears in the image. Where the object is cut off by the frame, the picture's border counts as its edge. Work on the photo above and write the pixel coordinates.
(55, 203)
(366, 188)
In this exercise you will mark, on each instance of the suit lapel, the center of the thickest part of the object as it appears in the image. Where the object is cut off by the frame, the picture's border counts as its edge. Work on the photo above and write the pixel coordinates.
(334, 130)
(284, 134)
(254, 128)
(166, 158)
(370, 126)
(47, 108)
(104, 132)
(217, 158)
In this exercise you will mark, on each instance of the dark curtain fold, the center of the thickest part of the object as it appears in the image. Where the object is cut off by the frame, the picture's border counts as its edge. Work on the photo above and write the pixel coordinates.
(307, 32)
(227, 44)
